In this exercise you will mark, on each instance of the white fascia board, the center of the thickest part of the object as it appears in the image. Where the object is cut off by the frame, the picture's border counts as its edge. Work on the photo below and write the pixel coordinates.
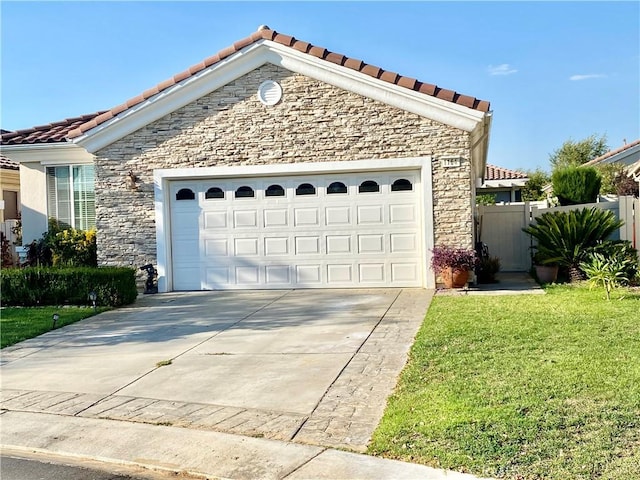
(410, 163)
(403, 98)
(252, 57)
(505, 183)
(48, 153)
(627, 157)
(173, 98)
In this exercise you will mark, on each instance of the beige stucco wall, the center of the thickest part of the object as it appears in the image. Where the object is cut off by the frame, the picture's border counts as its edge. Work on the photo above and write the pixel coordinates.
(314, 122)
(33, 199)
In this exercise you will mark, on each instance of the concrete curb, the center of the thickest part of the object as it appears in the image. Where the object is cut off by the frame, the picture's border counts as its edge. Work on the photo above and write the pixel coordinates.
(197, 453)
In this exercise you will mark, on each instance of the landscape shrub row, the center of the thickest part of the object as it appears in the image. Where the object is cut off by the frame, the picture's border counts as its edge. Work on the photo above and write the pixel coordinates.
(37, 286)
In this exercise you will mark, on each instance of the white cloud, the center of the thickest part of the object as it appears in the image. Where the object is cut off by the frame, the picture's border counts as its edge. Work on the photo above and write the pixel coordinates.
(503, 69)
(587, 77)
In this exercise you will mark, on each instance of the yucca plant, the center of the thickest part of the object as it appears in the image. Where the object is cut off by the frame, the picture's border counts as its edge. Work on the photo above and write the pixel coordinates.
(566, 238)
(608, 272)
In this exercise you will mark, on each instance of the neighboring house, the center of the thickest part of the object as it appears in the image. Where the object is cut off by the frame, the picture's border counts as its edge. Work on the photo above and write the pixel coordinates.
(628, 154)
(9, 189)
(503, 184)
(272, 164)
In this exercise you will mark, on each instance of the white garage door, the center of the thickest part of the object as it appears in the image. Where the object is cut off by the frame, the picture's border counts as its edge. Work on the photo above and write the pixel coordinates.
(314, 231)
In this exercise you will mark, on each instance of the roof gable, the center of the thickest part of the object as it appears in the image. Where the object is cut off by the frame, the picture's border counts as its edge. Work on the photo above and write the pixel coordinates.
(627, 154)
(269, 46)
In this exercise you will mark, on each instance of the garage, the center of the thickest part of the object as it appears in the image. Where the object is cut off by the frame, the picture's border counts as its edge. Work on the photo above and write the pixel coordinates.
(337, 229)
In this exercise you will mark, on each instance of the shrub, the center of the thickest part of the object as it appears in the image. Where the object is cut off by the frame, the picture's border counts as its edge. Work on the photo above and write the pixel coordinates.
(64, 247)
(576, 185)
(566, 238)
(486, 199)
(621, 251)
(451, 257)
(31, 286)
(487, 269)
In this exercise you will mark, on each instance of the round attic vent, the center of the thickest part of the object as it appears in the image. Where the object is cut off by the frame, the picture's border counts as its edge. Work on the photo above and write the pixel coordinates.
(269, 92)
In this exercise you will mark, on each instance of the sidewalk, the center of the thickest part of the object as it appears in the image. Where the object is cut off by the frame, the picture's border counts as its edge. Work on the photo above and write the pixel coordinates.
(189, 453)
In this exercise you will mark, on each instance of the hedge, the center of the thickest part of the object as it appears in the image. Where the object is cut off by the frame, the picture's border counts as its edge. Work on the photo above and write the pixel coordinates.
(38, 286)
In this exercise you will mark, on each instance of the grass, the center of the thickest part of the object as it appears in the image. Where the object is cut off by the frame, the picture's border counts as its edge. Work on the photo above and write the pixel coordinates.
(18, 324)
(522, 387)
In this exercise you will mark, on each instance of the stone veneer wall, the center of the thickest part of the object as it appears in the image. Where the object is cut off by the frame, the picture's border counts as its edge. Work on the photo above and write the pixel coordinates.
(314, 122)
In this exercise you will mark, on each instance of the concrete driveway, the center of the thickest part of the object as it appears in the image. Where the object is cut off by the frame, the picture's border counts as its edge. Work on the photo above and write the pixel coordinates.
(312, 366)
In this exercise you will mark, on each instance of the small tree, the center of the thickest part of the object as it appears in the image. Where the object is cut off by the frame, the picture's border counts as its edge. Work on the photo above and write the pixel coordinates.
(575, 186)
(573, 154)
(532, 191)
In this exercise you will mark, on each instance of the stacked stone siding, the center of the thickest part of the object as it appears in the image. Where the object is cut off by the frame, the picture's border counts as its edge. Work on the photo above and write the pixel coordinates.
(314, 122)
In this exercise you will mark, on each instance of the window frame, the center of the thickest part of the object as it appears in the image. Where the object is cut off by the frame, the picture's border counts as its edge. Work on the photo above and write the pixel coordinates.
(81, 200)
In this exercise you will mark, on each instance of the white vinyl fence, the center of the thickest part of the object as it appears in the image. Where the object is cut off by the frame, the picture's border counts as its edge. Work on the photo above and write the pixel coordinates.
(500, 228)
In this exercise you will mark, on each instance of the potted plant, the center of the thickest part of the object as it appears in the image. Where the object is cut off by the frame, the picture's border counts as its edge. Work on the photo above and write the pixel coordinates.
(453, 264)
(546, 268)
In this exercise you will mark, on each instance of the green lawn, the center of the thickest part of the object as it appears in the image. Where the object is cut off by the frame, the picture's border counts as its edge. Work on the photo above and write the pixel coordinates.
(522, 387)
(17, 324)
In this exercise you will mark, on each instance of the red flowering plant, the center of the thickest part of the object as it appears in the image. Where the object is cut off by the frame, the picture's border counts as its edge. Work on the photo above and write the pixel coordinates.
(445, 257)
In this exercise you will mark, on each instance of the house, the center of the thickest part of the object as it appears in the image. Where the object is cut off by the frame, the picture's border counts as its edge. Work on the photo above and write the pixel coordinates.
(503, 184)
(272, 164)
(628, 154)
(9, 189)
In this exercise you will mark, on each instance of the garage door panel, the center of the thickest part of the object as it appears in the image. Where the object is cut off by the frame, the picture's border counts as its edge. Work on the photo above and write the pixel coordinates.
(308, 274)
(370, 243)
(371, 273)
(370, 214)
(404, 272)
(342, 239)
(306, 216)
(402, 214)
(276, 246)
(245, 218)
(338, 244)
(276, 217)
(245, 247)
(337, 216)
(216, 247)
(307, 245)
(339, 274)
(215, 220)
(278, 275)
(403, 242)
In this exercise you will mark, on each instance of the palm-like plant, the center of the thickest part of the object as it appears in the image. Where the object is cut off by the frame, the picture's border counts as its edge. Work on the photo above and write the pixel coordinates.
(566, 238)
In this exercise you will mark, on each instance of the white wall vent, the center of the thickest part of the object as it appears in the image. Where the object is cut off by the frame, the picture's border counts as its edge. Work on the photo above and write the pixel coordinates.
(269, 92)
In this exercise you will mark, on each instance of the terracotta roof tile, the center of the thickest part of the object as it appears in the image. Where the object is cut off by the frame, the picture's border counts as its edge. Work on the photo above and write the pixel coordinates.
(371, 70)
(8, 164)
(41, 134)
(318, 52)
(53, 132)
(390, 77)
(493, 172)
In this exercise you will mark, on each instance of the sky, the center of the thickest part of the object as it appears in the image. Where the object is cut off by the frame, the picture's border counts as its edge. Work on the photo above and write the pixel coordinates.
(552, 71)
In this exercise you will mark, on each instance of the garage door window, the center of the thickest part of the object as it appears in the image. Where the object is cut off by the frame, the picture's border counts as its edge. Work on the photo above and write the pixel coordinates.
(185, 194)
(368, 186)
(401, 185)
(305, 189)
(214, 192)
(245, 192)
(274, 191)
(336, 187)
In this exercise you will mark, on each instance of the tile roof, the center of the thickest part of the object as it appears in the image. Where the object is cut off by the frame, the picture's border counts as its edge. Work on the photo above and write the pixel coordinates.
(265, 33)
(71, 128)
(611, 153)
(8, 164)
(498, 173)
(50, 133)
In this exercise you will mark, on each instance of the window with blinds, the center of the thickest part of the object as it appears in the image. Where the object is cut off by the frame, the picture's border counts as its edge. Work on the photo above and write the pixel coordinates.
(71, 196)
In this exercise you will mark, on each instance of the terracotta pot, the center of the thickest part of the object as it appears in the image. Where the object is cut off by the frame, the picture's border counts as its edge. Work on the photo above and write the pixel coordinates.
(454, 278)
(547, 273)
